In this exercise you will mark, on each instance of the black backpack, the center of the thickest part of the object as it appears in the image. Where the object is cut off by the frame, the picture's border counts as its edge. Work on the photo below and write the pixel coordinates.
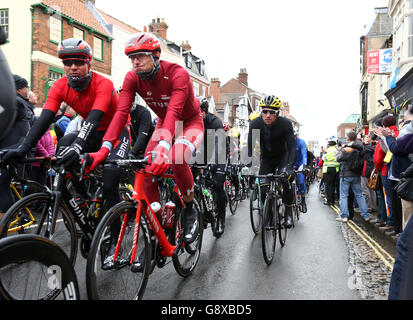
(356, 161)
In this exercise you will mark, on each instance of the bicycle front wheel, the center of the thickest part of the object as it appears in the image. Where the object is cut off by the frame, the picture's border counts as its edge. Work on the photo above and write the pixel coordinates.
(118, 282)
(269, 231)
(255, 211)
(31, 215)
(187, 256)
(34, 268)
(281, 218)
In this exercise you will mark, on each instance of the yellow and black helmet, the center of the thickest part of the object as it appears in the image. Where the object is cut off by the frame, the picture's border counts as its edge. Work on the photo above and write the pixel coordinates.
(270, 102)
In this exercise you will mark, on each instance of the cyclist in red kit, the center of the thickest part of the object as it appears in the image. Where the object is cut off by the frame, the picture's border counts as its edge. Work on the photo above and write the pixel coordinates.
(167, 89)
(94, 98)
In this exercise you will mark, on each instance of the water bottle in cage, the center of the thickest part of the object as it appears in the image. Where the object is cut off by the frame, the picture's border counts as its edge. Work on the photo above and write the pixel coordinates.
(169, 214)
(156, 207)
(209, 200)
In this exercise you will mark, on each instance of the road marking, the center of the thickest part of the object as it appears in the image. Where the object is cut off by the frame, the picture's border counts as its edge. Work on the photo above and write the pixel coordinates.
(369, 241)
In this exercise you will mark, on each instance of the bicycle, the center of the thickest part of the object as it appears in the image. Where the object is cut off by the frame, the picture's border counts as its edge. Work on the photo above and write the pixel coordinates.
(256, 206)
(20, 186)
(230, 189)
(297, 203)
(206, 196)
(54, 213)
(273, 217)
(142, 242)
(34, 268)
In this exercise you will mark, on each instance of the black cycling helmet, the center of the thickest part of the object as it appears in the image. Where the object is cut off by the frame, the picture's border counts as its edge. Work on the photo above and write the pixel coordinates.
(204, 104)
(7, 93)
(270, 102)
(74, 48)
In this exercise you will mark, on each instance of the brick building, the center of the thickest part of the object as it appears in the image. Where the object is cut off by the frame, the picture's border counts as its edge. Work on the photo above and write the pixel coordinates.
(35, 28)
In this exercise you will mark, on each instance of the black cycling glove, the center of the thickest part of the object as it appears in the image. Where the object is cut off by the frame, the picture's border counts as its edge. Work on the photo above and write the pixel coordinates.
(408, 173)
(71, 154)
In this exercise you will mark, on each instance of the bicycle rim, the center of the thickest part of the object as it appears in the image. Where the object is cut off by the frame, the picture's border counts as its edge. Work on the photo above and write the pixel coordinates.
(268, 230)
(118, 283)
(30, 216)
(187, 256)
(255, 212)
(34, 268)
(282, 231)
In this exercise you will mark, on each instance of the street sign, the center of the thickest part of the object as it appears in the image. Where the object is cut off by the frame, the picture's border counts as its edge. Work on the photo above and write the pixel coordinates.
(380, 61)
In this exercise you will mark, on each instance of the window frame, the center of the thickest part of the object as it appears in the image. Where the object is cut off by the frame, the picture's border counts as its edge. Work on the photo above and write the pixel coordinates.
(81, 30)
(61, 28)
(101, 58)
(6, 24)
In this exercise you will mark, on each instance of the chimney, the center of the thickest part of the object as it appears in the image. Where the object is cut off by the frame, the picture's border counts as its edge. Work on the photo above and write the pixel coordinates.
(214, 89)
(186, 46)
(86, 1)
(159, 28)
(243, 76)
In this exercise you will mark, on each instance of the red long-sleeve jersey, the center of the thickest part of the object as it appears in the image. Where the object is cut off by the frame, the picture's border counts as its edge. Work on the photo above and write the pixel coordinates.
(170, 95)
(99, 95)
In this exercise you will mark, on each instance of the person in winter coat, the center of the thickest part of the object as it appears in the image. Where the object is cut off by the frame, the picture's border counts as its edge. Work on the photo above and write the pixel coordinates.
(350, 179)
(399, 162)
(369, 194)
(401, 283)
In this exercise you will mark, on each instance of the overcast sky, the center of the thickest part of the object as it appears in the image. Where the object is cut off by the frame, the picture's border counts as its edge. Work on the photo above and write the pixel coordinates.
(305, 52)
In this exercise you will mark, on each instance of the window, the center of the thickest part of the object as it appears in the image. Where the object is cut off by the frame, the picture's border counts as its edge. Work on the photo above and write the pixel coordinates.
(55, 25)
(188, 61)
(78, 33)
(196, 88)
(4, 21)
(98, 48)
(201, 68)
(54, 75)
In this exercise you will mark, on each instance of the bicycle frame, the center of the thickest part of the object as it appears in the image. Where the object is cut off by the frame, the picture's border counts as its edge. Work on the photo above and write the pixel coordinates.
(168, 250)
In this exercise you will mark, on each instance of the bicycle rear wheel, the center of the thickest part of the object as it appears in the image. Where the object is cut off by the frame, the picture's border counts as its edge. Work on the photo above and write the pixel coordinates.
(30, 215)
(118, 283)
(269, 231)
(34, 268)
(187, 256)
(255, 212)
(231, 192)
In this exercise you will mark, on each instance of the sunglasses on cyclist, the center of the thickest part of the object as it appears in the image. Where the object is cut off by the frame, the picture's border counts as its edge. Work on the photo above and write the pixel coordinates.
(271, 112)
(140, 55)
(76, 62)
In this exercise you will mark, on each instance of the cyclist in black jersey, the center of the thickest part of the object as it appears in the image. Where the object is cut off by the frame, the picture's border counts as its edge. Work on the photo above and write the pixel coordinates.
(141, 129)
(277, 145)
(214, 152)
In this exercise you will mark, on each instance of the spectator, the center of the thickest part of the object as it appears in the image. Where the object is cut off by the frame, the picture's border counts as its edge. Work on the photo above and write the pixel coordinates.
(45, 147)
(379, 155)
(369, 194)
(19, 130)
(350, 179)
(399, 162)
(330, 170)
(62, 119)
(401, 283)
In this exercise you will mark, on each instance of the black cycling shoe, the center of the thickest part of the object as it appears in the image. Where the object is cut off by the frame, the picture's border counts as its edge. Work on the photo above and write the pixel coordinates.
(108, 263)
(138, 265)
(220, 227)
(303, 206)
(288, 218)
(191, 226)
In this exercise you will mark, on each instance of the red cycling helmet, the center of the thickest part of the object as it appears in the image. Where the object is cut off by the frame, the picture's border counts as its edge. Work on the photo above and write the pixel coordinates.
(226, 126)
(142, 42)
(73, 47)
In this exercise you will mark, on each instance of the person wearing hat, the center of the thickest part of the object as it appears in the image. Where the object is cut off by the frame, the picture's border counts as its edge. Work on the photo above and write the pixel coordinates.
(25, 107)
